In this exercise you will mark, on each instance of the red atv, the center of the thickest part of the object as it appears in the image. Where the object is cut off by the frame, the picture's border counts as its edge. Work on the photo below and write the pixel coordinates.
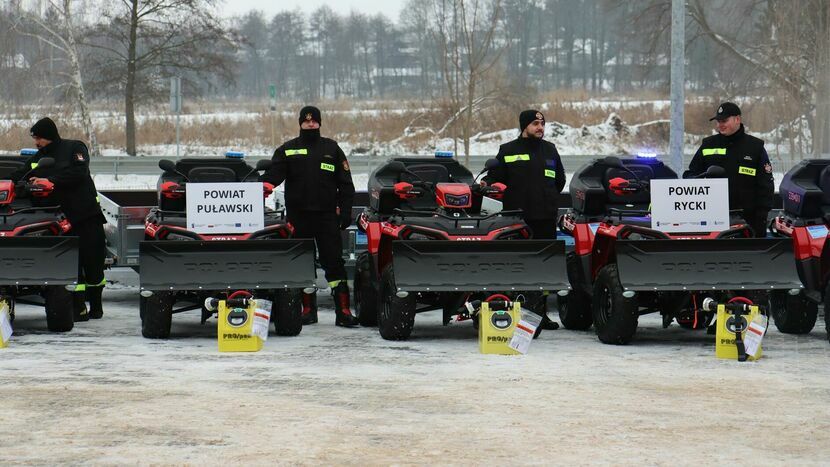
(431, 245)
(805, 191)
(622, 268)
(180, 265)
(39, 262)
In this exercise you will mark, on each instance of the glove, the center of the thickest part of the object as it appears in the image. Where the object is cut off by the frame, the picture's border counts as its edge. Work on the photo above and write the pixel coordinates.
(345, 219)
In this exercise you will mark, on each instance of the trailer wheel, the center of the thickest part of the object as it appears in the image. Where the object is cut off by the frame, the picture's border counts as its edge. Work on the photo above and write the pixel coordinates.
(157, 315)
(397, 315)
(574, 308)
(827, 311)
(59, 317)
(793, 314)
(288, 312)
(615, 317)
(365, 292)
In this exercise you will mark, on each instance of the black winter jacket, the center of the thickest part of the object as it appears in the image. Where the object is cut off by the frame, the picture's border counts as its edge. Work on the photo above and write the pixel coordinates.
(74, 188)
(533, 173)
(747, 166)
(316, 174)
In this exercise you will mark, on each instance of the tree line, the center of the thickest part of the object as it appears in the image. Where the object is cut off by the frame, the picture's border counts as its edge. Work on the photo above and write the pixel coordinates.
(460, 55)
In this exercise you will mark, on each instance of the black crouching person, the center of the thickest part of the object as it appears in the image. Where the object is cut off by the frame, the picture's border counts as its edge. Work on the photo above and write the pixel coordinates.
(318, 200)
(75, 192)
(532, 170)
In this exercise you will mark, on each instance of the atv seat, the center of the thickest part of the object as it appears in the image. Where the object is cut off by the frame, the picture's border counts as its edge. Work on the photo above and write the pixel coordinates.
(8, 167)
(211, 174)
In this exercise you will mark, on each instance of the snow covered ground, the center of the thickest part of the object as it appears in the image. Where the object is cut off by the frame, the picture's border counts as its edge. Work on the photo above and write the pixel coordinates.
(102, 394)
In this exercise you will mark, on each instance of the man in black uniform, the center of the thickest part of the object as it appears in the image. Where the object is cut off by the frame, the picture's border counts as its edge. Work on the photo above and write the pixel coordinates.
(318, 200)
(78, 198)
(746, 163)
(532, 170)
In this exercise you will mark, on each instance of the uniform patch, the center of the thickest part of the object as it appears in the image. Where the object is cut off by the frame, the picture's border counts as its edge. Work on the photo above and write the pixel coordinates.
(79, 157)
(747, 158)
(308, 117)
(768, 168)
(346, 165)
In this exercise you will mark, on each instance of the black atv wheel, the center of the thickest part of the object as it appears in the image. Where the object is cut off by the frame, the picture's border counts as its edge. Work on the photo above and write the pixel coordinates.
(365, 292)
(59, 317)
(157, 315)
(287, 312)
(574, 308)
(615, 317)
(397, 315)
(793, 314)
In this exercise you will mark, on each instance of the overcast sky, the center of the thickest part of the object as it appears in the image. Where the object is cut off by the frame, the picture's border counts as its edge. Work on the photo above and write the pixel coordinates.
(391, 8)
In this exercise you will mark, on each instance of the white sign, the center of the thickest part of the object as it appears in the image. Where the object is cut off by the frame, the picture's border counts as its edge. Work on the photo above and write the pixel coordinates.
(691, 206)
(225, 208)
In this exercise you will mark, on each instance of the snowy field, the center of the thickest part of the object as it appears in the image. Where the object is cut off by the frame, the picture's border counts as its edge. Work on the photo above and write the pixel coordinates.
(102, 394)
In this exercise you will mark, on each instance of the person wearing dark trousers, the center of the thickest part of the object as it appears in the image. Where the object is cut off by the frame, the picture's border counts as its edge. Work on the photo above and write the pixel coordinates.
(747, 166)
(532, 170)
(75, 192)
(318, 201)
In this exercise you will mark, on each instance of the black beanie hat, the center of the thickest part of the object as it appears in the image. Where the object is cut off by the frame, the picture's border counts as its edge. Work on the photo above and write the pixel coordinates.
(45, 128)
(310, 112)
(528, 116)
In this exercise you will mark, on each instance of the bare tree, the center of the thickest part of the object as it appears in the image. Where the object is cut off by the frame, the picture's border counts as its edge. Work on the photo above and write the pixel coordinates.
(62, 38)
(140, 41)
(465, 32)
(792, 51)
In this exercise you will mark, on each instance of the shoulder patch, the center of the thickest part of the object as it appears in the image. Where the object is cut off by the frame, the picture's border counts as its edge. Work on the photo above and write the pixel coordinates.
(768, 168)
(346, 165)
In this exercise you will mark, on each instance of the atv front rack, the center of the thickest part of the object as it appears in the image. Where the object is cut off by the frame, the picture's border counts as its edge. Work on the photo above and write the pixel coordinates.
(696, 265)
(226, 264)
(38, 260)
(498, 265)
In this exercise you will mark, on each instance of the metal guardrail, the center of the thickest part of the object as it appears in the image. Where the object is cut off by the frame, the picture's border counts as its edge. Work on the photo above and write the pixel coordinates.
(148, 165)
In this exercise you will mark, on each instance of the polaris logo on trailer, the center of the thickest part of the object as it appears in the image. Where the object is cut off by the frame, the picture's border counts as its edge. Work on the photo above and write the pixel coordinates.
(210, 266)
(479, 268)
(708, 266)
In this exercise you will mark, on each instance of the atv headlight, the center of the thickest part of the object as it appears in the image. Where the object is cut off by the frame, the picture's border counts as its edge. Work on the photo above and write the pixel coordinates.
(179, 237)
(457, 200)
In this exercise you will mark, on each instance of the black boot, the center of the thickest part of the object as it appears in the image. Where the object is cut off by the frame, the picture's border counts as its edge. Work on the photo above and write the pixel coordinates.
(79, 307)
(342, 311)
(93, 295)
(309, 308)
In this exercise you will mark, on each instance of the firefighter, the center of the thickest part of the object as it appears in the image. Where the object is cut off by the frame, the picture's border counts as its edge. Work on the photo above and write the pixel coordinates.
(746, 163)
(318, 200)
(75, 192)
(532, 170)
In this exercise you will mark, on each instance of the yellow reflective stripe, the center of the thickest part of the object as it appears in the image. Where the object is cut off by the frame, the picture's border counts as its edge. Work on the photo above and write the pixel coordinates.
(334, 284)
(34, 165)
(714, 152)
(329, 167)
(746, 171)
(296, 152)
(550, 173)
(516, 157)
(100, 284)
(80, 288)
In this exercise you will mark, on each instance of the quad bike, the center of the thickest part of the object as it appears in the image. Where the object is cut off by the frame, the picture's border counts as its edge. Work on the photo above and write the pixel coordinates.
(622, 268)
(805, 191)
(39, 261)
(180, 265)
(432, 246)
